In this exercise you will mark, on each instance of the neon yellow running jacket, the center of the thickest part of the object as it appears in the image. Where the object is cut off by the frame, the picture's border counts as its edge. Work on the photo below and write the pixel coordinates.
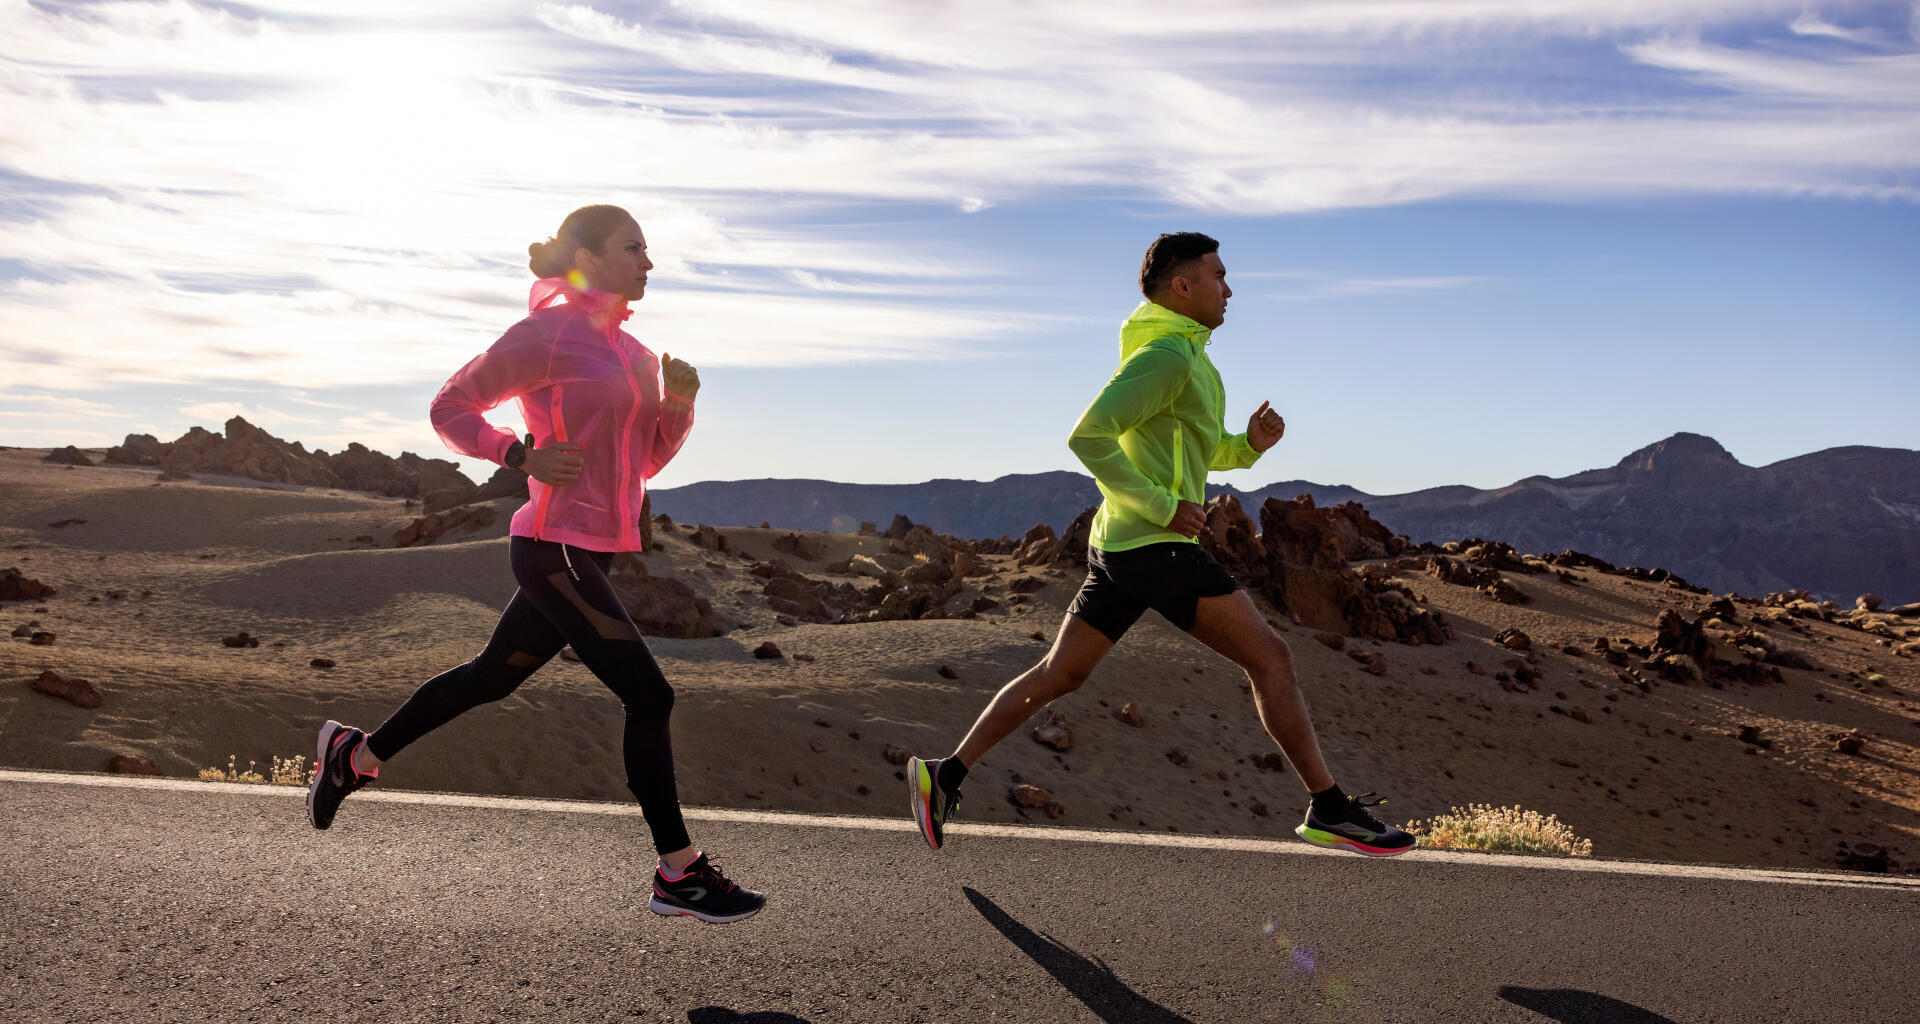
(1154, 431)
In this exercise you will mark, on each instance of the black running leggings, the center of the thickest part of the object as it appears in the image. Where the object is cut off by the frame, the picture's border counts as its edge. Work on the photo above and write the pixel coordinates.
(564, 598)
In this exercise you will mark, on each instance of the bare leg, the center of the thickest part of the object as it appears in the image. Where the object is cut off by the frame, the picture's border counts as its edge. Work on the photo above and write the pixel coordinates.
(1231, 625)
(1077, 649)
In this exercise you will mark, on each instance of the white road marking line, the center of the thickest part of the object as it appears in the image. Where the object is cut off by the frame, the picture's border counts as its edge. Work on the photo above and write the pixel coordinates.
(1778, 876)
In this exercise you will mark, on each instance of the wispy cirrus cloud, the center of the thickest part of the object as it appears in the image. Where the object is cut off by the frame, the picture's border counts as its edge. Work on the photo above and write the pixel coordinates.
(297, 192)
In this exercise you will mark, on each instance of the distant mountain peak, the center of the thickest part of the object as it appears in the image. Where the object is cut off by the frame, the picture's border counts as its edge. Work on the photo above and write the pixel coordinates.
(1685, 460)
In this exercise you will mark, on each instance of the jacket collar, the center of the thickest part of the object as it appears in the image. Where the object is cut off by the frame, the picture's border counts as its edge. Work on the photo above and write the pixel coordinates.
(1150, 320)
(605, 309)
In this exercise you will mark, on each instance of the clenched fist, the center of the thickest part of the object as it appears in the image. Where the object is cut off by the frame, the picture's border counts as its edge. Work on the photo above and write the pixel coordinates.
(681, 378)
(1264, 428)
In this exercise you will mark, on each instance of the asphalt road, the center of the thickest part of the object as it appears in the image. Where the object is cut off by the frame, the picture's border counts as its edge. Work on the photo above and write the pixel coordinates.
(129, 900)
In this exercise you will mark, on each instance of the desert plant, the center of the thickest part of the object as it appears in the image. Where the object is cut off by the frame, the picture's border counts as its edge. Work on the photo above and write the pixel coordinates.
(284, 771)
(1499, 830)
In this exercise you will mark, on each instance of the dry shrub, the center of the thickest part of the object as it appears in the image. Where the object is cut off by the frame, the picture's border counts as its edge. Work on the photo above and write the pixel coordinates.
(285, 771)
(1500, 830)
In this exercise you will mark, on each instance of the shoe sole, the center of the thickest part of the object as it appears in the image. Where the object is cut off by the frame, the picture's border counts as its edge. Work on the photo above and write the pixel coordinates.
(669, 910)
(920, 798)
(1334, 841)
(327, 732)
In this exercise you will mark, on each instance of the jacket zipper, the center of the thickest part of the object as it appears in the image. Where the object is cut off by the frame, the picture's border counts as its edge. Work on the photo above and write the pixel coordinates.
(627, 526)
(1179, 460)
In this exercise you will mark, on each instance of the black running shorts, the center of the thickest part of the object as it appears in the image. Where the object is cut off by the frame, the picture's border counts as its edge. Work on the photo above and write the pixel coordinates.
(1169, 578)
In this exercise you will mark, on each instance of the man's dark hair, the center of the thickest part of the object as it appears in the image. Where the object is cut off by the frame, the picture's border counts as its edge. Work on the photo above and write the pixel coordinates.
(1169, 253)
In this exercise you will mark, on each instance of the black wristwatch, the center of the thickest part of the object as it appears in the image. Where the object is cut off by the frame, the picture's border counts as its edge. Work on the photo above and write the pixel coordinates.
(516, 454)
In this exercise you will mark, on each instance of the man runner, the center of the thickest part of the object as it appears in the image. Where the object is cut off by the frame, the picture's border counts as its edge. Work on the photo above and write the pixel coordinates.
(1149, 439)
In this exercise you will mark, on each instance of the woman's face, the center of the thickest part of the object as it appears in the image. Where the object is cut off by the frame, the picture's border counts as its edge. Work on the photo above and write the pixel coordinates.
(620, 266)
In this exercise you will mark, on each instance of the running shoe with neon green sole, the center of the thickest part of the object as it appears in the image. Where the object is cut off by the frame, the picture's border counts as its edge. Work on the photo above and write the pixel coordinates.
(931, 804)
(1357, 830)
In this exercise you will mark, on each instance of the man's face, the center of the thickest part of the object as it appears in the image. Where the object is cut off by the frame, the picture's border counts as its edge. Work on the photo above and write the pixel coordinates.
(1201, 287)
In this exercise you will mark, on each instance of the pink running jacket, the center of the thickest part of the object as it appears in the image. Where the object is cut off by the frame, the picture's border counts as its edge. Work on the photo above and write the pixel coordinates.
(578, 378)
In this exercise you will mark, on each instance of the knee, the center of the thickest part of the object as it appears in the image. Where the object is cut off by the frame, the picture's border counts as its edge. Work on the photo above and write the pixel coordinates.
(495, 680)
(1061, 680)
(649, 699)
(1271, 664)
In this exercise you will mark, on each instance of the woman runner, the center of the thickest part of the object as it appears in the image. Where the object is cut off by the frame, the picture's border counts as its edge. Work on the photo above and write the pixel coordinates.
(604, 415)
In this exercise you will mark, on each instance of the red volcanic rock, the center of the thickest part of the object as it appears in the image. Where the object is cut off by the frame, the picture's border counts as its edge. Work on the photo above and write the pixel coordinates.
(899, 528)
(127, 764)
(1372, 661)
(1862, 857)
(767, 651)
(1513, 640)
(800, 546)
(137, 450)
(1054, 732)
(504, 483)
(1025, 795)
(664, 607)
(1849, 742)
(895, 754)
(1038, 547)
(42, 638)
(360, 468)
(75, 691)
(68, 456)
(246, 450)
(1867, 602)
(16, 587)
(1324, 538)
(321, 663)
(240, 639)
(1073, 543)
(707, 537)
(1130, 714)
(1231, 538)
(430, 528)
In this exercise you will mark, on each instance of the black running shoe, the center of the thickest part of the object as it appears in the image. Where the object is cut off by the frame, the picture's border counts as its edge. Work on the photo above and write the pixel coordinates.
(334, 775)
(932, 806)
(1357, 830)
(705, 893)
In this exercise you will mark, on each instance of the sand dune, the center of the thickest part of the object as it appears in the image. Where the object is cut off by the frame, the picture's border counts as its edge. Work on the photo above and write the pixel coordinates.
(1659, 774)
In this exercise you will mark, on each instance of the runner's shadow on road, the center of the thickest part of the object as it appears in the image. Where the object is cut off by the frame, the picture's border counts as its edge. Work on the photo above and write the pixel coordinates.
(1087, 978)
(722, 1015)
(1572, 1006)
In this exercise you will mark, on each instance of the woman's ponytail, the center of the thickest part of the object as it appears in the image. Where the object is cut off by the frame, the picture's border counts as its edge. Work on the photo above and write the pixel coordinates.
(588, 228)
(546, 260)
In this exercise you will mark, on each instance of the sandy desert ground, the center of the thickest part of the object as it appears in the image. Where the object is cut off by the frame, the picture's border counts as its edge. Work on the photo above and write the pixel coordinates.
(1657, 774)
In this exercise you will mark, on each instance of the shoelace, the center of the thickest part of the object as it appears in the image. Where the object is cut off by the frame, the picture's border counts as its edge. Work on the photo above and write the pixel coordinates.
(1357, 811)
(717, 881)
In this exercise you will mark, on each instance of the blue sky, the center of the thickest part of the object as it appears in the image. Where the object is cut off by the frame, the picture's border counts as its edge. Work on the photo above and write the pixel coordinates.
(1470, 241)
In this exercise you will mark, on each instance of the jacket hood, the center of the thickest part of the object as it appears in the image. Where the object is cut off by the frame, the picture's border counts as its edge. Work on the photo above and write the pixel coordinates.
(1150, 320)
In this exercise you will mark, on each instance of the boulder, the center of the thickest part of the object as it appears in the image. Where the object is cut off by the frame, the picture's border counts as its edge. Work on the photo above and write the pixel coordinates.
(768, 651)
(430, 528)
(1231, 538)
(1038, 547)
(137, 450)
(504, 483)
(665, 607)
(1513, 640)
(801, 546)
(360, 468)
(246, 450)
(1072, 549)
(1054, 732)
(127, 764)
(68, 456)
(242, 639)
(75, 691)
(898, 529)
(17, 587)
(1867, 602)
(713, 540)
